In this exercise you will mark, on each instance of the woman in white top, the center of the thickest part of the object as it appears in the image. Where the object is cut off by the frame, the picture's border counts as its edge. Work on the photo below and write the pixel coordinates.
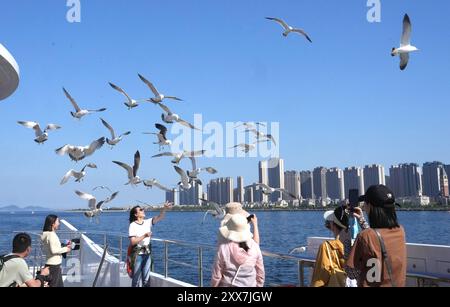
(140, 232)
(53, 250)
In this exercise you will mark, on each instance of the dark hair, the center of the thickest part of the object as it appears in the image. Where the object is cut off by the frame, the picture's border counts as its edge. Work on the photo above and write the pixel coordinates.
(380, 217)
(49, 221)
(342, 217)
(21, 242)
(244, 246)
(133, 212)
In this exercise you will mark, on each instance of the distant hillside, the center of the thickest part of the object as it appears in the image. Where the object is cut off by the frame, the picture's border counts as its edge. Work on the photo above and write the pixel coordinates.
(28, 208)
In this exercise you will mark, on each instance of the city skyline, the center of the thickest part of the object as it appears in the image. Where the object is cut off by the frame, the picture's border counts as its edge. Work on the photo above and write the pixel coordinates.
(352, 106)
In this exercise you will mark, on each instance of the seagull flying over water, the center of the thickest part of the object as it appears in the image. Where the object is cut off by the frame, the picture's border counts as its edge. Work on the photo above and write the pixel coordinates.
(132, 171)
(288, 29)
(79, 113)
(41, 136)
(162, 139)
(300, 249)
(405, 45)
(78, 153)
(158, 96)
(79, 176)
(186, 182)
(266, 190)
(114, 140)
(218, 212)
(131, 103)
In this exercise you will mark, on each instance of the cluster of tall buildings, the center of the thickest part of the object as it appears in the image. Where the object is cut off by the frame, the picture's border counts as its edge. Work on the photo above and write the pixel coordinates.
(323, 185)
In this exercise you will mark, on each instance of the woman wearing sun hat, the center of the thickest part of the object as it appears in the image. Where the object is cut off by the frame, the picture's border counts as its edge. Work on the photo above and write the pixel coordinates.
(238, 261)
(330, 257)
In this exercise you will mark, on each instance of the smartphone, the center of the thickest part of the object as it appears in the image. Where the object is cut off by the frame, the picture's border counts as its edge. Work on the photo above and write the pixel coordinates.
(249, 218)
(353, 198)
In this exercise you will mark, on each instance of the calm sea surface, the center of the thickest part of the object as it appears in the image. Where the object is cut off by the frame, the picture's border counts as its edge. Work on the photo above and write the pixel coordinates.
(280, 231)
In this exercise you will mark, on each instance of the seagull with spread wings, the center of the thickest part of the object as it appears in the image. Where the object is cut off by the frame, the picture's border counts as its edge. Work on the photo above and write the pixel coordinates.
(114, 139)
(162, 138)
(158, 96)
(79, 176)
(41, 136)
(78, 153)
(288, 29)
(79, 113)
(405, 44)
(133, 178)
(130, 103)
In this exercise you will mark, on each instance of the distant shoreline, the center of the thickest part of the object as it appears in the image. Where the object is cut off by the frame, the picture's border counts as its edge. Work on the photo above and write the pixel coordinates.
(436, 209)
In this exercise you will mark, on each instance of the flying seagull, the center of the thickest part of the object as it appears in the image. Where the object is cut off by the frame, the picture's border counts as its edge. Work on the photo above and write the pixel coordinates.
(162, 139)
(260, 136)
(131, 103)
(154, 183)
(79, 176)
(288, 29)
(245, 147)
(79, 113)
(171, 117)
(185, 182)
(95, 208)
(405, 45)
(250, 125)
(266, 190)
(114, 140)
(217, 212)
(132, 171)
(158, 96)
(41, 136)
(300, 249)
(102, 187)
(78, 153)
(178, 156)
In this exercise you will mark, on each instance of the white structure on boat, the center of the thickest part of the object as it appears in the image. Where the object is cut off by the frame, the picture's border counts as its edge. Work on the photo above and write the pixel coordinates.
(9, 73)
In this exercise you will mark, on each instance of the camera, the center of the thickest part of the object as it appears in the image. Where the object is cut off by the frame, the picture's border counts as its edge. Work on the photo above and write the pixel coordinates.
(249, 218)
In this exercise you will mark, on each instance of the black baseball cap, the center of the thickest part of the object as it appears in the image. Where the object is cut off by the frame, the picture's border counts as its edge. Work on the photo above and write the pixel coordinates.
(379, 196)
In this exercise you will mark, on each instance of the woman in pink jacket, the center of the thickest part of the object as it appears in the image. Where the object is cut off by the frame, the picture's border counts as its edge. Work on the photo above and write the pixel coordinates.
(239, 261)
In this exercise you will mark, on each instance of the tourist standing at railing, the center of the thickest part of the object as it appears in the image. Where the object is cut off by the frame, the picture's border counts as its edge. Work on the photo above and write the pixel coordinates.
(53, 250)
(238, 261)
(378, 257)
(329, 266)
(14, 270)
(236, 208)
(140, 232)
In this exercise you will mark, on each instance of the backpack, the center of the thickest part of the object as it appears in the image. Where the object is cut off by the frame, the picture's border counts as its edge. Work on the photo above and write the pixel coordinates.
(5, 258)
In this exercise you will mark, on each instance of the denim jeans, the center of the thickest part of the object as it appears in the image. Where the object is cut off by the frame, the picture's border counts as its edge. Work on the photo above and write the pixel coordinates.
(141, 272)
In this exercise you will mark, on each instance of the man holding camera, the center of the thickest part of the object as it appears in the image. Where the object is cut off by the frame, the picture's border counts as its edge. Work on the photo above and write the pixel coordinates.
(14, 270)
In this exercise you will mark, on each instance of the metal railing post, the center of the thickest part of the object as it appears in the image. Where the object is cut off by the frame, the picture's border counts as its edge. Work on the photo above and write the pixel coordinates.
(200, 266)
(166, 259)
(120, 249)
(301, 275)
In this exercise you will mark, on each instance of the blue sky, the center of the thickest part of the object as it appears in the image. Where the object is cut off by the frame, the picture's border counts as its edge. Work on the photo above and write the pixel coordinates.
(341, 101)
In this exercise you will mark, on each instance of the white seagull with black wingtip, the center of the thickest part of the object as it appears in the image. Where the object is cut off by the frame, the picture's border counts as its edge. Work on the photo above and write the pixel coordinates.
(114, 140)
(171, 118)
(158, 96)
(41, 136)
(131, 103)
(132, 171)
(178, 156)
(95, 208)
(79, 113)
(79, 176)
(78, 153)
(185, 182)
(288, 29)
(405, 45)
(162, 139)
